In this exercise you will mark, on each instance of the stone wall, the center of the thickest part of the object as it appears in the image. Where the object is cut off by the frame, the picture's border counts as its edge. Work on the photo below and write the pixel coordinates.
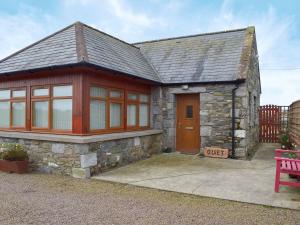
(216, 107)
(251, 95)
(83, 159)
(215, 115)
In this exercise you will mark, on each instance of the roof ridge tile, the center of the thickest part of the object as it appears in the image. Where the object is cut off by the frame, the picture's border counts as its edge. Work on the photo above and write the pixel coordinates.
(102, 32)
(189, 36)
(81, 50)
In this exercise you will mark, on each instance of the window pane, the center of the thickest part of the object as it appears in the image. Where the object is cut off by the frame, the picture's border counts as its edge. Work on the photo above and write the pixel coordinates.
(97, 115)
(62, 114)
(18, 111)
(40, 114)
(115, 94)
(189, 112)
(143, 115)
(132, 96)
(5, 94)
(5, 112)
(144, 98)
(115, 115)
(18, 94)
(59, 91)
(131, 115)
(98, 92)
(41, 92)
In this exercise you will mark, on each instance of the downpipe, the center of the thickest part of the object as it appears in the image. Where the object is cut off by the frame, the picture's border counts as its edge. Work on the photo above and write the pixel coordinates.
(233, 122)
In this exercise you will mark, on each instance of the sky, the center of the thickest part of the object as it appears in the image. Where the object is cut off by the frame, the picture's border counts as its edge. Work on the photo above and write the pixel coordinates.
(277, 26)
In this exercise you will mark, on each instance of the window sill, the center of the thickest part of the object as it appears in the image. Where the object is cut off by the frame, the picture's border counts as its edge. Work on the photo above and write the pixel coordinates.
(77, 139)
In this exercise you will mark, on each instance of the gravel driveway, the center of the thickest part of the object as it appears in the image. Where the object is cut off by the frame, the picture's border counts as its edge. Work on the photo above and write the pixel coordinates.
(50, 199)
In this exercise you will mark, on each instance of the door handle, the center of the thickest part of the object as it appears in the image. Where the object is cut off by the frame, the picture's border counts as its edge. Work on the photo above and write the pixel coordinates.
(189, 128)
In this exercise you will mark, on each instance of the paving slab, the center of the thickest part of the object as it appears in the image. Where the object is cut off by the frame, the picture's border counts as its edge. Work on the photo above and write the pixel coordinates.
(237, 180)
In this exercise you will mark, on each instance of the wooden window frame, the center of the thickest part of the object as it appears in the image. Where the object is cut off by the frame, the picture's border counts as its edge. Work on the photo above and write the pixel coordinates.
(12, 100)
(50, 98)
(149, 105)
(117, 100)
(124, 101)
(42, 98)
(136, 103)
(98, 98)
(108, 100)
(7, 100)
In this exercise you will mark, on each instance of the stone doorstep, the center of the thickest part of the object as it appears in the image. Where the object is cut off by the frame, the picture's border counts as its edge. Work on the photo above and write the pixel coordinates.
(77, 139)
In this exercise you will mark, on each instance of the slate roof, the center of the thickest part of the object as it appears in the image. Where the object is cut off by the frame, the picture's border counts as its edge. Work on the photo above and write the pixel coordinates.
(57, 49)
(198, 58)
(207, 57)
(109, 52)
(79, 43)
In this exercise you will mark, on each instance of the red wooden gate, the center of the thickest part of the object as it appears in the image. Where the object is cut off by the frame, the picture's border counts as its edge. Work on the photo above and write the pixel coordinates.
(273, 120)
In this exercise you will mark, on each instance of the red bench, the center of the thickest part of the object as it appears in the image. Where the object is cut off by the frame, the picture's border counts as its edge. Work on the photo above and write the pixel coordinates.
(288, 166)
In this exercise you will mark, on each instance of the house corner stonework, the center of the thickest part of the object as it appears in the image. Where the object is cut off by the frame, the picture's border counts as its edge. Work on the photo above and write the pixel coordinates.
(81, 160)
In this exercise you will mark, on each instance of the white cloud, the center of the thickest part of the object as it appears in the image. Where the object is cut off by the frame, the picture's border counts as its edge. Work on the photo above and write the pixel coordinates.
(131, 22)
(276, 48)
(21, 29)
(117, 17)
(126, 15)
(16, 34)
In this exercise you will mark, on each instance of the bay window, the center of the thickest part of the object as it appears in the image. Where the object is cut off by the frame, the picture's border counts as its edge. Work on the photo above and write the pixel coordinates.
(50, 109)
(109, 108)
(106, 107)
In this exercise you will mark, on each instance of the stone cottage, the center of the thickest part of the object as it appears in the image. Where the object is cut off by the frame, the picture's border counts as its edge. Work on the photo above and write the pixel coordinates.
(82, 101)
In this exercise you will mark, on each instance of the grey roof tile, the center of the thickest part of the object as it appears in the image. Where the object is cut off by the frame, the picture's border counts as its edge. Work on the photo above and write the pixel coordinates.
(197, 58)
(50, 51)
(61, 48)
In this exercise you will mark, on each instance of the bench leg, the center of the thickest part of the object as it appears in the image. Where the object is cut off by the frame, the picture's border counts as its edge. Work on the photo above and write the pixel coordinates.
(277, 177)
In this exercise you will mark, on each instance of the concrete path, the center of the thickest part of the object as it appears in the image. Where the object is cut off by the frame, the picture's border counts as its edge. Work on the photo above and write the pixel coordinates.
(244, 181)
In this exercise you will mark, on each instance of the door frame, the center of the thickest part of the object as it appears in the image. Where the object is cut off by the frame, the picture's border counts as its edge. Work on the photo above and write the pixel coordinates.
(199, 121)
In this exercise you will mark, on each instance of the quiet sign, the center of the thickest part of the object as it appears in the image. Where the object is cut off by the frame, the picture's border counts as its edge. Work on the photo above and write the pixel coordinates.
(216, 152)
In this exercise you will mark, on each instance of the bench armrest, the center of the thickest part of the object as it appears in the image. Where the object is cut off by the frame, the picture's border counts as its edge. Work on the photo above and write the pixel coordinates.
(278, 152)
(287, 159)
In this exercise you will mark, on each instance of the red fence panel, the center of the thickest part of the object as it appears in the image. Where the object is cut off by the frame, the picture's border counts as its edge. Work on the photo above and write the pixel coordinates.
(273, 120)
(294, 122)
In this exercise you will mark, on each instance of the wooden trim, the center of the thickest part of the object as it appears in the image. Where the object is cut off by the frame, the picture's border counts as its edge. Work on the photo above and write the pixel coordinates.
(124, 101)
(12, 100)
(40, 87)
(50, 99)
(81, 80)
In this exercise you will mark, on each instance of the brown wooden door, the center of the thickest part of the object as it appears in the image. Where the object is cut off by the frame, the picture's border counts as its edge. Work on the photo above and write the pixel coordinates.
(187, 123)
